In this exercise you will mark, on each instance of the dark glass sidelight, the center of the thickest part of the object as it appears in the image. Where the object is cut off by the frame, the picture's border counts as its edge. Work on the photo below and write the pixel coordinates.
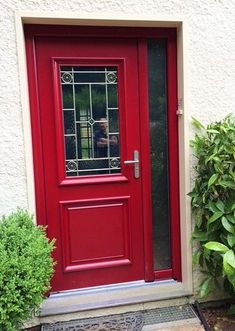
(157, 70)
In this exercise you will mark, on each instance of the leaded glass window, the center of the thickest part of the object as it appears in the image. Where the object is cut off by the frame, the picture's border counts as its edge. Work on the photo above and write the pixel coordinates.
(91, 119)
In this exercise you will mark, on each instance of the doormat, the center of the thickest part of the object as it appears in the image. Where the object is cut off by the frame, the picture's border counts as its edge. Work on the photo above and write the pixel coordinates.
(132, 321)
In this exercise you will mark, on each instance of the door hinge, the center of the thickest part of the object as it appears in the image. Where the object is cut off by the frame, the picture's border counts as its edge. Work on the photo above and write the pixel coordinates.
(179, 110)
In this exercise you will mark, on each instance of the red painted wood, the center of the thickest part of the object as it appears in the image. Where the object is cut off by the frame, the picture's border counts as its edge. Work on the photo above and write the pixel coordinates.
(79, 217)
(36, 133)
(129, 237)
(145, 160)
(126, 48)
(59, 121)
(97, 31)
(163, 274)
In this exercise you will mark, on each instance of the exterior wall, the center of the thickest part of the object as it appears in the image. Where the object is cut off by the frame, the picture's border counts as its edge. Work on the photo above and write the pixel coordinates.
(209, 57)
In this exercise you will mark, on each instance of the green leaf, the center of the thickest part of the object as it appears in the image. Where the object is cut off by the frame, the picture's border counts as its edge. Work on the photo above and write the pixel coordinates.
(227, 184)
(213, 202)
(197, 124)
(196, 258)
(231, 240)
(231, 279)
(212, 157)
(207, 256)
(215, 216)
(228, 270)
(212, 207)
(212, 131)
(218, 168)
(227, 225)
(212, 229)
(206, 287)
(25, 268)
(198, 219)
(229, 257)
(216, 246)
(192, 194)
(220, 205)
(227, 285)
(200, 235)
(231, 218)
(212, 180)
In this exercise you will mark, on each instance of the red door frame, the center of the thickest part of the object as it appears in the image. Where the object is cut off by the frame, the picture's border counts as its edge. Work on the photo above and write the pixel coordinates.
(31, 31)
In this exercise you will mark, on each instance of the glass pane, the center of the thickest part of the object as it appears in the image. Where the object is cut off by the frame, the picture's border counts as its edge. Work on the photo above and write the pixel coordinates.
(112, 96)
(113, 120)
(91, 121)
(82, 102)
(84, 140)
(98, 97)
(68, 102)
(159, 152)
(89, 77)
(70, 147)
(113, 144)
(69, 122)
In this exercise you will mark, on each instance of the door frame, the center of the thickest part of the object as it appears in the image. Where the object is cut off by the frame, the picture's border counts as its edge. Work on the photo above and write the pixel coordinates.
(22, 18)
(141, 34)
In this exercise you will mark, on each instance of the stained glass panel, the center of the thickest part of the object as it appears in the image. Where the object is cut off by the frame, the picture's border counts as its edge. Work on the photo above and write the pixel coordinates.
(91, 120)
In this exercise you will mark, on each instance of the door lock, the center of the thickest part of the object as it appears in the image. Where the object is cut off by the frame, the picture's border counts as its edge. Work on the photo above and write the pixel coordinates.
(136, 164)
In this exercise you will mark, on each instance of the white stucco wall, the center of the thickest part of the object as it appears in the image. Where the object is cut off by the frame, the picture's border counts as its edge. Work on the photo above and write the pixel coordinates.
(210, 61)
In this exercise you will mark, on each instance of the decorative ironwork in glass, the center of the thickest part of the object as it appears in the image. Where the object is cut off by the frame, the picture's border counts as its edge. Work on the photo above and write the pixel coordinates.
(91, 120)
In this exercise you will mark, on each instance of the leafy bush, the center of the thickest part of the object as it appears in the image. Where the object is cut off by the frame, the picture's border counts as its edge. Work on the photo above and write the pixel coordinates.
(213, 204)
(26, 268)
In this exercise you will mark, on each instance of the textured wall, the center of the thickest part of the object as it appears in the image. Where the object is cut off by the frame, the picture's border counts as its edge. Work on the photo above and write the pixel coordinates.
(210, 62)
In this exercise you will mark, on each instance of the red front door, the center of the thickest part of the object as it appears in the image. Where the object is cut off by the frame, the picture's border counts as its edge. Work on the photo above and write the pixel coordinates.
(89, 121)
(94, 123)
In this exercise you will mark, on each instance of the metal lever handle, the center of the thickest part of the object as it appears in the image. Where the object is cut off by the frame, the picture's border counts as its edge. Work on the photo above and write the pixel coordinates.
(131, 161)
(136, 163)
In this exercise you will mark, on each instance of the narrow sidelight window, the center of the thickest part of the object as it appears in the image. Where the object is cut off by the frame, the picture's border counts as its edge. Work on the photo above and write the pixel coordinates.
(157, 73)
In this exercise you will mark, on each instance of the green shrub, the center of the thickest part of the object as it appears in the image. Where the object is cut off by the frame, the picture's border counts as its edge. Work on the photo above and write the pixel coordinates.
(213, 204)
(26, 268)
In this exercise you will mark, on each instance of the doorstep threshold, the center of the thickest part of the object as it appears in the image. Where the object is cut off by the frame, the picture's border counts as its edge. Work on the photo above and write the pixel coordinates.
(173, 318)
(111, 296)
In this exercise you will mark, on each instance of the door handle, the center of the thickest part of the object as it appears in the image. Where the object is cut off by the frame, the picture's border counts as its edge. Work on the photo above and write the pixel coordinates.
(136, 164)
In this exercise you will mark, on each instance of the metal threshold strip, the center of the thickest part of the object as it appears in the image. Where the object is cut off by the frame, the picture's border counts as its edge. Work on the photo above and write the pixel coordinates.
(116, 295)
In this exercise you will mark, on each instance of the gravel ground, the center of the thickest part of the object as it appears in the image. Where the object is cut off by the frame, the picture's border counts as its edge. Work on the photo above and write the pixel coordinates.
(218, 320)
